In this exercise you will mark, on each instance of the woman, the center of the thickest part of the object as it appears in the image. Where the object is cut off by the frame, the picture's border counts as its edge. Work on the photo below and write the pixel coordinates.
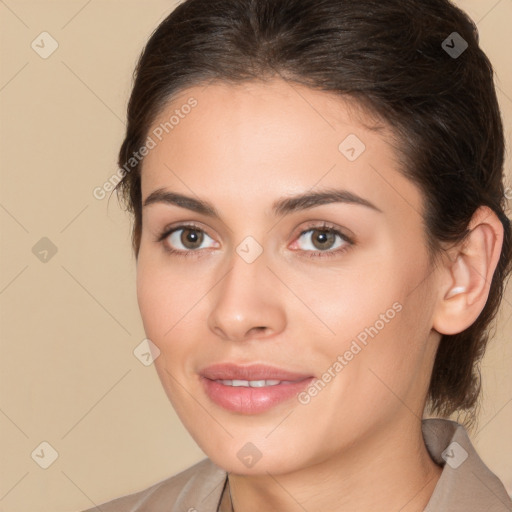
(321, 245)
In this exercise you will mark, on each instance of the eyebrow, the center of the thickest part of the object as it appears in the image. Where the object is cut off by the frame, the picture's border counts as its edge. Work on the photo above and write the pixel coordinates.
(282, 206)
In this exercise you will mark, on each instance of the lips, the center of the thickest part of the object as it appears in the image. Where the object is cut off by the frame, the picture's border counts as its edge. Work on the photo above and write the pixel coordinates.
(251, 389)
(255, 372)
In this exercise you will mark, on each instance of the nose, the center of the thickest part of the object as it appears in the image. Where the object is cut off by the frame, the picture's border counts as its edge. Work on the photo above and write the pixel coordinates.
(246, 303)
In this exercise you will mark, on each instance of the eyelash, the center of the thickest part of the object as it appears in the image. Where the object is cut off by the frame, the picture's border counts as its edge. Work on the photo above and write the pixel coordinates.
(324, 227)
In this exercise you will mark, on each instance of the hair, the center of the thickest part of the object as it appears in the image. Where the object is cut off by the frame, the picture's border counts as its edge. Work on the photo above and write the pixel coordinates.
(389, 57)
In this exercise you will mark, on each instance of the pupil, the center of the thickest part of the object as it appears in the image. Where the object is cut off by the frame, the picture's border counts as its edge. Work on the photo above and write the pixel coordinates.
(190, 236)
(323, 237)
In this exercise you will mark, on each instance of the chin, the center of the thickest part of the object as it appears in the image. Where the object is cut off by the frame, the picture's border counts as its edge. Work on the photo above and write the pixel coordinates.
(274, 465)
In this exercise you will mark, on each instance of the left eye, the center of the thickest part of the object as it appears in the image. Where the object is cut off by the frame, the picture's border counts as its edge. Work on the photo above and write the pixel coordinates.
(323, 240)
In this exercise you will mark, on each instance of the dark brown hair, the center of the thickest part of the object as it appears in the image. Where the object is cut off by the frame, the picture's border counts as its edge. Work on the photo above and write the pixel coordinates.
(394, 58)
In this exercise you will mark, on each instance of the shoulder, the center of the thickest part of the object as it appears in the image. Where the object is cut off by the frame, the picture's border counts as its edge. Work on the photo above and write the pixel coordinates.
(198, 487)
(466, 483)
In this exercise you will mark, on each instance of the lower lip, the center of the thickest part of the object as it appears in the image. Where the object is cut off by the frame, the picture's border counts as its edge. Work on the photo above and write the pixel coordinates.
(249, 400)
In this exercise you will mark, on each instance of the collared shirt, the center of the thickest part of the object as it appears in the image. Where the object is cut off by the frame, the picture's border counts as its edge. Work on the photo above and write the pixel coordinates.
(465, 485)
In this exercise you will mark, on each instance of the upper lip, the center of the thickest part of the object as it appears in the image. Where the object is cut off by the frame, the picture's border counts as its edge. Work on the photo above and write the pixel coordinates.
(232, 371)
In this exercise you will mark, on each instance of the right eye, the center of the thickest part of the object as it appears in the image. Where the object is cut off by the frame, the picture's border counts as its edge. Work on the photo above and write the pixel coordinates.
(183, 240)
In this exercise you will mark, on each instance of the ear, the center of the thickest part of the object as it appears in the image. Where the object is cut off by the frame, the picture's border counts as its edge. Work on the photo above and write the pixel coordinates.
(465, 277)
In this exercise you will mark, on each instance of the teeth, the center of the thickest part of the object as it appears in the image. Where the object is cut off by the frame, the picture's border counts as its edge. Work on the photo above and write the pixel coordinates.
(253, 383)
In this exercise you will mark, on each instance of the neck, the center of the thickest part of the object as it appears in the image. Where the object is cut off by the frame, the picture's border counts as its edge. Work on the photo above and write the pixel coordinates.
(391, 471)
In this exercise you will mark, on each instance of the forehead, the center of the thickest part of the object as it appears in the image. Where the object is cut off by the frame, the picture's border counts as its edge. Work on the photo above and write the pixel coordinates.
(263, 139)
(267, 104)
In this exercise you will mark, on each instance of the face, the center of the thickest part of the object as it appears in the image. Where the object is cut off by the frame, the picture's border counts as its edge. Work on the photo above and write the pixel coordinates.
(335, 288)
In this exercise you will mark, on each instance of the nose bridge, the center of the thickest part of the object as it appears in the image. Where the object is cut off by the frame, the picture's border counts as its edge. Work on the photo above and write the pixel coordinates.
(242, 302)
(248, 273)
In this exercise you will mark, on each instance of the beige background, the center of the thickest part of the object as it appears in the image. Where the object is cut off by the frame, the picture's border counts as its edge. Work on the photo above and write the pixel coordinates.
(70, 325)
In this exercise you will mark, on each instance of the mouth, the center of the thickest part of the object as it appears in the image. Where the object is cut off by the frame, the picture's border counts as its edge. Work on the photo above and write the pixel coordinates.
(250, 373)
(255, 383)
(251, 389)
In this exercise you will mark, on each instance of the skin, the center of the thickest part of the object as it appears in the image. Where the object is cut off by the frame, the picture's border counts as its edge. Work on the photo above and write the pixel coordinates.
(357, 445)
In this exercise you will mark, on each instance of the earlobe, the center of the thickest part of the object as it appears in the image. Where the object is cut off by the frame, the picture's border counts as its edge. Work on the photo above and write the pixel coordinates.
(469, 276)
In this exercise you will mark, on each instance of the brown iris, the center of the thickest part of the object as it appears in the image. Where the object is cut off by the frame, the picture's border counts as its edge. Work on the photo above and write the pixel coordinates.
(325, 238)
(191, 236)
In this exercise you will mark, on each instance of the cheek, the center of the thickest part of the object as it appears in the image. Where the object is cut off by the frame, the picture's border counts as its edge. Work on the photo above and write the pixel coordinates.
(169, 306)
(157, 298)
(349, 301)
(376, 322)
(149, 294)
